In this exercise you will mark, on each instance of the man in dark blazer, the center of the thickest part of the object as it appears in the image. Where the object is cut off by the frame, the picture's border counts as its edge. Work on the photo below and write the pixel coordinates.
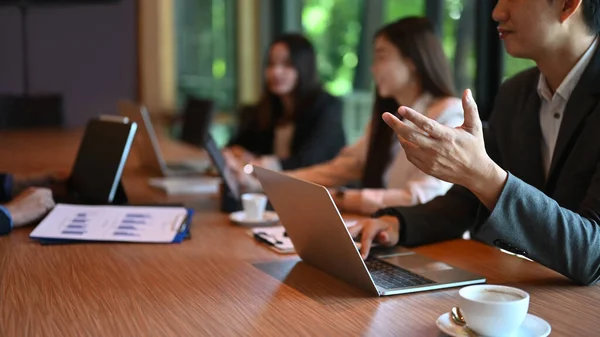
(534, 187)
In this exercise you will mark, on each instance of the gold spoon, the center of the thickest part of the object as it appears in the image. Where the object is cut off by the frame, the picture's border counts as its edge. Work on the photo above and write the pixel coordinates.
(459, 320)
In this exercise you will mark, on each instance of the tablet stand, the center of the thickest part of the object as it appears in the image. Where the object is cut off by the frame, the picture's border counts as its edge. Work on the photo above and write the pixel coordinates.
(120, 198)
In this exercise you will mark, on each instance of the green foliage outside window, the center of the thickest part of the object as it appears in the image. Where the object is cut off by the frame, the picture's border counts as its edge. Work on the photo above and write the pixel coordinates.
(513, 65)
(396, 9)
(334, 26)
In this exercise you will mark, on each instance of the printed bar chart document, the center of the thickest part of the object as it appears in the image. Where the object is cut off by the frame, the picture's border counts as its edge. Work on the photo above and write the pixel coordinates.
(112, 223)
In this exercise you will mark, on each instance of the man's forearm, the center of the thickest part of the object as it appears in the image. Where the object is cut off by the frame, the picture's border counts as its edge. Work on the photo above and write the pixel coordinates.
(536, 226)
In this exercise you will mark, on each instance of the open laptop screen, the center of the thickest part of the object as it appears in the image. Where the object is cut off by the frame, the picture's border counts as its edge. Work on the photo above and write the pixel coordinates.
(219, 162)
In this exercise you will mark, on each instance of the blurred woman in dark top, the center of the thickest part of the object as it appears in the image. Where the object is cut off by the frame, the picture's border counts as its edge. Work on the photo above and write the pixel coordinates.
(296, 123)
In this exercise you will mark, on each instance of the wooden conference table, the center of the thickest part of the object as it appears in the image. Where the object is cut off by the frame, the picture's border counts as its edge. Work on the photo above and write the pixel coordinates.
(222, 283)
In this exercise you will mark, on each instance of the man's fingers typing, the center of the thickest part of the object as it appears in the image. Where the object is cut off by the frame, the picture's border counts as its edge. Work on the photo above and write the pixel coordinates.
(369, 233)
(356, 229)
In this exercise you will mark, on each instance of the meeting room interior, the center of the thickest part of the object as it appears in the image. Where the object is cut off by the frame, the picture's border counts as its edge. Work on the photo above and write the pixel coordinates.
(299, 167)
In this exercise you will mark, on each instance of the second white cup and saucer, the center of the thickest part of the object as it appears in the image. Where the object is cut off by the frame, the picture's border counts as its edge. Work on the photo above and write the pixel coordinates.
(494, 311)
(254, 213)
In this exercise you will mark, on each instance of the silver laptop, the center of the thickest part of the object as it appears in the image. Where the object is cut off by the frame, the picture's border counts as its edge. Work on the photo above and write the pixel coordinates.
(218, 161)
(148, 148)
(320, 237)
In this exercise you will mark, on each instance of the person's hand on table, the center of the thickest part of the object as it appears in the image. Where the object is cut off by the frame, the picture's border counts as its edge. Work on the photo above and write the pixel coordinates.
(238, 170)
(29, 206)
(241, 154)
(456, 155)
(248, 181)
(232, 162)
(384, 231)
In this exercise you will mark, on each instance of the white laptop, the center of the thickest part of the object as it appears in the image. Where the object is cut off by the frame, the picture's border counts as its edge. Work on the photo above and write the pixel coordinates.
(148, 148)
(317, 230)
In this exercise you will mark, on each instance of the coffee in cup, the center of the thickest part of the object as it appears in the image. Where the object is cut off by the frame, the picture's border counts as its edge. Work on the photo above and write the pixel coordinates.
(494, 310)
(254, 205)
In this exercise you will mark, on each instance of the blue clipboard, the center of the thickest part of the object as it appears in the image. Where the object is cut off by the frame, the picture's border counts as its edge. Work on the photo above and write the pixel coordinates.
(184, 233)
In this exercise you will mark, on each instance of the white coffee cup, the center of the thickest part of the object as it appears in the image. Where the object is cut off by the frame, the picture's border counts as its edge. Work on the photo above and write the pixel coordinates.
(254, 205)
(493, 310)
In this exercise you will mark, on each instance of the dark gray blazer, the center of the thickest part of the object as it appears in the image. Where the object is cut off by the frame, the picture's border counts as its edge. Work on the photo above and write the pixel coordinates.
(554, 222)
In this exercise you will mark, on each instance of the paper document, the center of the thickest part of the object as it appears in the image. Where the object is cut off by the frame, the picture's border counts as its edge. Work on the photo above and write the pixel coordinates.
(186, 185)
(111, 223)
(276, 238)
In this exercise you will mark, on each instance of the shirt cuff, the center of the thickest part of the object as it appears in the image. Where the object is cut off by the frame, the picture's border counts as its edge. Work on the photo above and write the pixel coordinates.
(6, 222)
(391, 211)
(6, 187)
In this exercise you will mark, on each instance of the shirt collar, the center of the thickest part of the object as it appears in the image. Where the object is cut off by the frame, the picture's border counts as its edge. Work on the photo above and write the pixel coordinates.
(568, 84)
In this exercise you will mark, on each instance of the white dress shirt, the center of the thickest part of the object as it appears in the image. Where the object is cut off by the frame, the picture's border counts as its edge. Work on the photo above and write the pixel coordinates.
(282, 147)
(553, 105)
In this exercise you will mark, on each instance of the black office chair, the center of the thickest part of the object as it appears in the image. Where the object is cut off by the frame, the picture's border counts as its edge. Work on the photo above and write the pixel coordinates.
(26, 112)
(196, 120)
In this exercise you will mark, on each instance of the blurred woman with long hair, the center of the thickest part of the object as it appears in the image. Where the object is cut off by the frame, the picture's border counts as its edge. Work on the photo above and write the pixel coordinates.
(296, 123)
(410, 69)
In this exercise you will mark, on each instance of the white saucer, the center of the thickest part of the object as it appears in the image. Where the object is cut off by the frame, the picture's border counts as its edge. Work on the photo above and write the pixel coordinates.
(269, 219)
(532, 326)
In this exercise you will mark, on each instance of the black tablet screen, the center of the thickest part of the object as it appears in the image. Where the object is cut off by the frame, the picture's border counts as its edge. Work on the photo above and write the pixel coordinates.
(219, 162)
(100, 160)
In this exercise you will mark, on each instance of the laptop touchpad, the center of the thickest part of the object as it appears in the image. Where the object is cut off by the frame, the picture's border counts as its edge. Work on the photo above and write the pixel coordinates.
(416, 263)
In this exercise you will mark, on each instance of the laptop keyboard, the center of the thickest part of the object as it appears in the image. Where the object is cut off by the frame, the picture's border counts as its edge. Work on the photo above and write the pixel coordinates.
(390, 276)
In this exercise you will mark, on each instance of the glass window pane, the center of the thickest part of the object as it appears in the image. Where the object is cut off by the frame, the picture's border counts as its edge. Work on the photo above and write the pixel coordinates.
(205, 42)
(397, 9)
(458, 37)
(334, 28)
(459, 41)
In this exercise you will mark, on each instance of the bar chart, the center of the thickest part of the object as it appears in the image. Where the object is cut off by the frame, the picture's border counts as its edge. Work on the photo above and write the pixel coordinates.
(112, 223)
(132, 224)
(78, 225)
